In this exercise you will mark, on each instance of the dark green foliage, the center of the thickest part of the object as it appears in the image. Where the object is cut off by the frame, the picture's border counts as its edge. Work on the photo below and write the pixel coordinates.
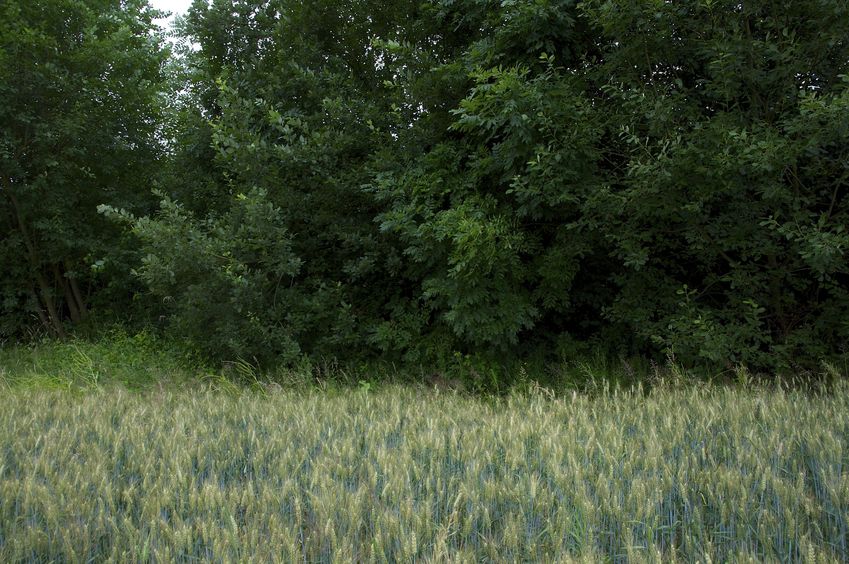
(80, 83)
(227, 282)
(727, 204)
(655, 176)
(291, 113)
(468, 179)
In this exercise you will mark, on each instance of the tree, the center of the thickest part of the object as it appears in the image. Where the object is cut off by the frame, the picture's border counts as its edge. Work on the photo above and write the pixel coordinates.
(655, 177)
(725, 202)
(488, 210)
(290, 106)
(471, 176)
(81, 86)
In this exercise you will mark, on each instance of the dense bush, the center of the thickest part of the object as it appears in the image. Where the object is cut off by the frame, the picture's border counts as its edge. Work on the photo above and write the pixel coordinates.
(660, 177)
(225, 281)
(501, 179)
(80, 108)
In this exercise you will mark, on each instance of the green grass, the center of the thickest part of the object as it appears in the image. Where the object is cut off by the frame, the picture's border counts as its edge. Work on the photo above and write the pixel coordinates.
(679, 473)
(135, 362)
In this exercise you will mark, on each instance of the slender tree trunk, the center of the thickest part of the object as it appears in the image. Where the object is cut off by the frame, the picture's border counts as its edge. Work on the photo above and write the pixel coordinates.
(75, 289)
(47, 298)
(44, 321)
(35, 266)
(62, 281)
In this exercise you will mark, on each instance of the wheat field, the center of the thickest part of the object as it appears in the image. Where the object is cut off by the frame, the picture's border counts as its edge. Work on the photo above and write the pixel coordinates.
(398, 475)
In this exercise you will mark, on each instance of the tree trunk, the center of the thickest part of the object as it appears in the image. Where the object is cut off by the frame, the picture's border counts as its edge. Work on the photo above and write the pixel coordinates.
(75, 289)
(47, 298)
(62, 280)
(35, 266)
(44, 321)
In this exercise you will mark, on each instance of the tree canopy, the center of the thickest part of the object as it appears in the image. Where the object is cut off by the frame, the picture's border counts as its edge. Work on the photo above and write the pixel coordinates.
(81, 86)
(417, 180)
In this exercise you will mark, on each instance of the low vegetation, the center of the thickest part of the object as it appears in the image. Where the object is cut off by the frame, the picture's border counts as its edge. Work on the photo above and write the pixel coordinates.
(398, 474)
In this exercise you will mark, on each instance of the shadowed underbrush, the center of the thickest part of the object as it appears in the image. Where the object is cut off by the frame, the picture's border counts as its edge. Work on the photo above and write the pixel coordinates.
(144, 361)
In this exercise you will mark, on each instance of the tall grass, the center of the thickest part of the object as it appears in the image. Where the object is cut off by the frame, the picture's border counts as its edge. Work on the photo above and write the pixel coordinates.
(398, 475)
(134, 361)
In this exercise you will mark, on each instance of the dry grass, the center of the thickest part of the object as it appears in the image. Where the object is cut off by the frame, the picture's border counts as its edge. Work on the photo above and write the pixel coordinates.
(397, 476)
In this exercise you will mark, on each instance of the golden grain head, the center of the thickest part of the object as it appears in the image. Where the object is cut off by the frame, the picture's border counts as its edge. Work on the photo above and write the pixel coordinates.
(709, 475)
